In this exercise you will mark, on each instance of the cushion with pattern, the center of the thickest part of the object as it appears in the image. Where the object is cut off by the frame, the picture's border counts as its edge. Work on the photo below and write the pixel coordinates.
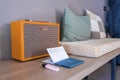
(97, 27)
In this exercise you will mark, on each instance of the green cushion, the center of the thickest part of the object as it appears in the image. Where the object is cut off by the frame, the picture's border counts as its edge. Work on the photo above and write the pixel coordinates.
(75, 28)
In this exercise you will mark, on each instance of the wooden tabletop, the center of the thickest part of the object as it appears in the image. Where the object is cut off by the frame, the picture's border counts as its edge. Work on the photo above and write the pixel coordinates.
(32, 70)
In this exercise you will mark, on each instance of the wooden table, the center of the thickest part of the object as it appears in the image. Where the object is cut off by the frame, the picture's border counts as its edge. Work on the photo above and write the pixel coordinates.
(32, 70)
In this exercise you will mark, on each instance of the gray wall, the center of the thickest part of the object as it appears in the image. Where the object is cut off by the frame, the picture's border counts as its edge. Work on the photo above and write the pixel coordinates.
(45, 10)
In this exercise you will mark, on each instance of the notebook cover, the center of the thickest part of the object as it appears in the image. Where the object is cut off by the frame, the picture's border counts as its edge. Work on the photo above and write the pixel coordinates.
(69, 62)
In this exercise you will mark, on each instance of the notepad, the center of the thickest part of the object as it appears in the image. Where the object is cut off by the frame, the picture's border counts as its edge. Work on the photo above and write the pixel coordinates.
(59, 57)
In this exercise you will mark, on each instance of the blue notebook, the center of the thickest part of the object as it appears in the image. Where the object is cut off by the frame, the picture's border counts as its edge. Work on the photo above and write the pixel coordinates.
(69, 62)
(59, 57)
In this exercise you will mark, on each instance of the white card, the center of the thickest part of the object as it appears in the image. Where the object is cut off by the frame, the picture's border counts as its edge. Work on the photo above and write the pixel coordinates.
(57, 54)
(48, 61)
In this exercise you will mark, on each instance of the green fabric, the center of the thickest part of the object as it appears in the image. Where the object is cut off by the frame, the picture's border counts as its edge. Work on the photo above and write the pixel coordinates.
(75, 28)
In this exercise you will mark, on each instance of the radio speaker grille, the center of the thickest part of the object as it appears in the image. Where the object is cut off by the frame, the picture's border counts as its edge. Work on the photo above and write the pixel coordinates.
(37, 38)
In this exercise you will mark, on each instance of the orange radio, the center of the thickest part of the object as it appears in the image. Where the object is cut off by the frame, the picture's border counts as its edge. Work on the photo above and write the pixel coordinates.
(29, 39)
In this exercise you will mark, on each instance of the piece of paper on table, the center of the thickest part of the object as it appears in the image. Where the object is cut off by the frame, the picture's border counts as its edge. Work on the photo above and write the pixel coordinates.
(48, 61)
(57, 54)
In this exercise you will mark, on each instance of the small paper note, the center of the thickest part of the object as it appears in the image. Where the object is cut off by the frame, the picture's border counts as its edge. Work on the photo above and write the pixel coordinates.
(57, 54)
(48, 61)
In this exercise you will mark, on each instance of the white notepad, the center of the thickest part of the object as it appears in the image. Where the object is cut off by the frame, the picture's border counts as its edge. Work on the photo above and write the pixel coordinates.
(57, 54)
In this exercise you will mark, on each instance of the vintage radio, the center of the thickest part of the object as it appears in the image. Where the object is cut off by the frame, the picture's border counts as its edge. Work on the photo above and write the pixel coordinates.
(29, 39)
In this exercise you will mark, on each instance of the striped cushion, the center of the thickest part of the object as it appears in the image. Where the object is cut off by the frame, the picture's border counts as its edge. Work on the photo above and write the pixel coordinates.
(97, 27)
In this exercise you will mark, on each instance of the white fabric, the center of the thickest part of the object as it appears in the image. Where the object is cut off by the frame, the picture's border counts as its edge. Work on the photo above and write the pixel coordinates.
(91, 48)
(102, 35)
(95, 26)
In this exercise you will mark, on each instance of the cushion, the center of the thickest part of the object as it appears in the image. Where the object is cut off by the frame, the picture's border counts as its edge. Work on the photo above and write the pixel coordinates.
(75, 28)
(92, 48)
(97, 27)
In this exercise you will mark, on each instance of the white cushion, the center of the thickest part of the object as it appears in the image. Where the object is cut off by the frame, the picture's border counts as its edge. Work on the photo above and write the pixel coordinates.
(97, 27)
(91, 48)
